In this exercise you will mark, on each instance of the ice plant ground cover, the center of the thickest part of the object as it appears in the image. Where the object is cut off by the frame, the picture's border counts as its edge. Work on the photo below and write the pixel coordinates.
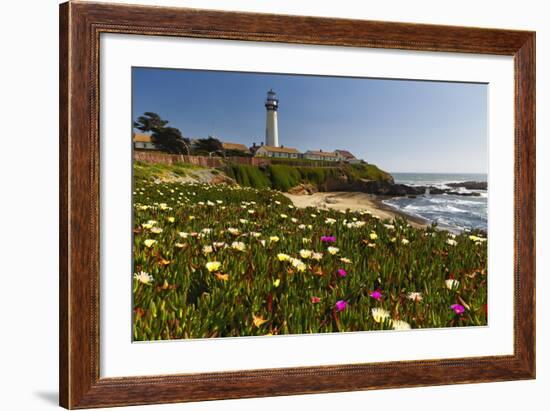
(220, 261)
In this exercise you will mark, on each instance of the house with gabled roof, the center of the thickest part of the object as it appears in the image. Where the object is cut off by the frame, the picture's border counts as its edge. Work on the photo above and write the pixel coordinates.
(277, 152)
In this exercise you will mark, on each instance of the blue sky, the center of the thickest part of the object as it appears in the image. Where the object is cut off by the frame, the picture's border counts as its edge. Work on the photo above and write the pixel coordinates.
(399, 125)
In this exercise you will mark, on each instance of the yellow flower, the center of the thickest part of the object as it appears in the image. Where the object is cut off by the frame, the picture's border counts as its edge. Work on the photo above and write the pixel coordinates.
(345, 260)
(298, 264)
(277, 282)
(404, 241)
(379, 314)
(283, 257)
(317, 256)
(179, 245)
(156, 230)
(273, 239)
(147, 226)
(305, 253)
(258, 320)
(373, 235)
(149, 243)
(143, 277)
(284, 216)
(171, 219)
(213, 266)
(333, 250)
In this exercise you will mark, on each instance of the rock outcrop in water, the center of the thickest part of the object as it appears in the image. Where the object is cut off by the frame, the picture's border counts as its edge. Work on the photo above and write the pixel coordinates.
(470, 185)
(387, 188)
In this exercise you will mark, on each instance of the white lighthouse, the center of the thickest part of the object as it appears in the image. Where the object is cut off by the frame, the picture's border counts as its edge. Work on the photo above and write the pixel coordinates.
(271, 129)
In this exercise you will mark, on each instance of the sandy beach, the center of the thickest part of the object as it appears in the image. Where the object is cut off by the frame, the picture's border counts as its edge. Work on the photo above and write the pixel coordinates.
(351, 200)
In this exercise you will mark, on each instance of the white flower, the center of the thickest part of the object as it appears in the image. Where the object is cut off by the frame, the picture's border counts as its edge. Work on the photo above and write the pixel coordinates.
(450, 241)
(284, 216)
(414, 296)
(238, 245)
(400, 325)
(330, 221)
(452, 283)
(379, 314)
(207, 249)
(294, 220)
(333, 250)
(206, 230)
(389, 226)
(156, 230)
(183, 235)
(143, 277)
(404, 241)
(251, 211)
(317, 256)
(302, 226)
(345, 260)
(243, 221)
(233, 231)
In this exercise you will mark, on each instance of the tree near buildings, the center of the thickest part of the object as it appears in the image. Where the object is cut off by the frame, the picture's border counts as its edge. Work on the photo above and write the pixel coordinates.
(167, 139)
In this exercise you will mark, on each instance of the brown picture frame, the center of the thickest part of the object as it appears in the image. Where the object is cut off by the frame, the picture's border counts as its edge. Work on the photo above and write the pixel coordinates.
(80, 27)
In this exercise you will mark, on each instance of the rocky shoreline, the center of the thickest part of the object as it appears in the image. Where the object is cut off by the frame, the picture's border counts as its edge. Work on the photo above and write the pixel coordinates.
(389, 188)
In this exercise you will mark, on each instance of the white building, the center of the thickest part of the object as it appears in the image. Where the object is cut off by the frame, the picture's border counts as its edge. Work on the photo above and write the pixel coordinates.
(322, 155)
(143, 142)
(271, 127)
(277, 152)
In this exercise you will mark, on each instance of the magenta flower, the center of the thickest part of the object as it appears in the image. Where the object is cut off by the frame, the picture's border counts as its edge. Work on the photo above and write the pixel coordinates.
(341, 305)
(341, 272)
(328, 239)
(458, 309)
(377, 295)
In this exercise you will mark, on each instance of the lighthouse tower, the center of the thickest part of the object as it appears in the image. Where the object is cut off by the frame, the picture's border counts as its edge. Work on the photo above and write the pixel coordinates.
(271, 129)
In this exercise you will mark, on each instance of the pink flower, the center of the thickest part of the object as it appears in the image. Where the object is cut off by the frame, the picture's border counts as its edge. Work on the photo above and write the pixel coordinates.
(377, 295)
(341, 305)
(457, 308)
(328, 239)
(315, 300)
(341, 272)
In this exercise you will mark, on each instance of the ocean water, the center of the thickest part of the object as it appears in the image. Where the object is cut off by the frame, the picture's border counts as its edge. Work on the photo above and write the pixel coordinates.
(452, 212)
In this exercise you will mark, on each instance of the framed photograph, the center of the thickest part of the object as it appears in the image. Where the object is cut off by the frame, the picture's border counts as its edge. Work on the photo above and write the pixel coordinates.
(259, 205)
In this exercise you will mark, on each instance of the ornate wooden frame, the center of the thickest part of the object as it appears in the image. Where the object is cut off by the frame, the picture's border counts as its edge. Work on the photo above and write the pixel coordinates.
(80, 27)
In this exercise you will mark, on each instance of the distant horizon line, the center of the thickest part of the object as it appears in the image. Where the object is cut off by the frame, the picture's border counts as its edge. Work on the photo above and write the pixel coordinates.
(435, 172)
